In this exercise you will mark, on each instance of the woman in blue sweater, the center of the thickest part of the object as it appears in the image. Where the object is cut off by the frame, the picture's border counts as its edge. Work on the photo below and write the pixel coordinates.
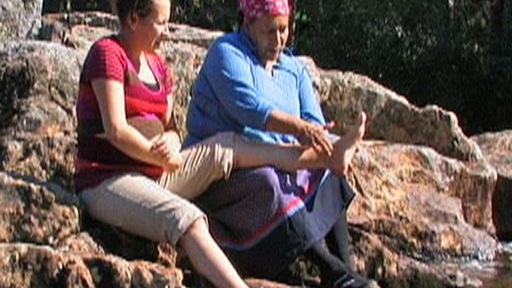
(265, 217)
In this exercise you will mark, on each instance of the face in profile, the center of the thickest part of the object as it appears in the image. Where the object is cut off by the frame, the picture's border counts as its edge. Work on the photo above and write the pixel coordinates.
(152, 29)
(269, 34)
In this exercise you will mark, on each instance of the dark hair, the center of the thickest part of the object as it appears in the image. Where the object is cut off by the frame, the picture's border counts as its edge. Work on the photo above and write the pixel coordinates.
(125, 8)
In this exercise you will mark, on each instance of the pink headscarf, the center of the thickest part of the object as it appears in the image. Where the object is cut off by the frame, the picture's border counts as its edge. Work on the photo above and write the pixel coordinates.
(254, 9)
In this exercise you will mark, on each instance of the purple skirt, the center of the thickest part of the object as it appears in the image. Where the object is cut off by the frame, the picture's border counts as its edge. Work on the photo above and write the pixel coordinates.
(264, 218)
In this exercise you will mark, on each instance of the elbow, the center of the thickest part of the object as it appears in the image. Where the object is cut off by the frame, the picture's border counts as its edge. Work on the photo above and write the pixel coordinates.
(114, 134)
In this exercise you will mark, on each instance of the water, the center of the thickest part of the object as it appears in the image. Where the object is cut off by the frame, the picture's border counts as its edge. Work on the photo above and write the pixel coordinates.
(496, 274)
(503, 276)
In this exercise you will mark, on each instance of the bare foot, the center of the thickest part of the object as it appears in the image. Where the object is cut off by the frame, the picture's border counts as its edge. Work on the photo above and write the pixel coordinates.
(346, 146)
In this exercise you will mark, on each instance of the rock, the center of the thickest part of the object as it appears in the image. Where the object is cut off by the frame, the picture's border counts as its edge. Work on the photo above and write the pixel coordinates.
(80, 243)
(37, 113)
(40, 86)
(128, 246)
(191, 35)
(390, 116)
(34, 213)
(419, 193)
(81, 29)
(20, 19)
(419, 207)
(497, 148)
(26, 265)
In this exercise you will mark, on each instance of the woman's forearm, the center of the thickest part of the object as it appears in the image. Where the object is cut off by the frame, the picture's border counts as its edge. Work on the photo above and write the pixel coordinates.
(282, 122)
(132, 143)
(307, 133)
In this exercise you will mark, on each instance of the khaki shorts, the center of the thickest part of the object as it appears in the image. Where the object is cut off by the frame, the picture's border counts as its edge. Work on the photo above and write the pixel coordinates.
(157, 210)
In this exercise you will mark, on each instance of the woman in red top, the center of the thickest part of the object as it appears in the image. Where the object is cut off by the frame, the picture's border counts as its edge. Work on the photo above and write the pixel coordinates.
(129, 159)
(117, 164)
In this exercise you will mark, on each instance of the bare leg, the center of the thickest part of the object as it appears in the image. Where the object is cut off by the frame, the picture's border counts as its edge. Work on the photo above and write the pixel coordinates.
(287, 157)
(209, 160)
(207, 258)
(294, 157)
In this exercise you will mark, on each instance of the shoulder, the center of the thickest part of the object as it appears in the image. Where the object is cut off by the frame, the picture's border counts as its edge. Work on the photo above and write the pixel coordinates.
(107, 44)
(105, 49)
(106, 59)
(228, 45)
(229, 39)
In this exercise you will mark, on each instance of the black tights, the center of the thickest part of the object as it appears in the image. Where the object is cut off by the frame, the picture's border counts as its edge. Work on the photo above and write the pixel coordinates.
(332, 255)
(338, 239)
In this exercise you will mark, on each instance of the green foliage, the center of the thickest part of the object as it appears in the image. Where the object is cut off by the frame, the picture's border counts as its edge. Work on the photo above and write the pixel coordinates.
(54, 6)
(209, 14)
(433, 52)
(87, 5)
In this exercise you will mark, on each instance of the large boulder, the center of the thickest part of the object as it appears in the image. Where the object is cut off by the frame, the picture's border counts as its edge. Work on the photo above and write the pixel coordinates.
(20, 19)
(420, 207)
(390, 116)
(26, 265)
(36, 212)
(39, 87)
(497, 148)
(43, 244)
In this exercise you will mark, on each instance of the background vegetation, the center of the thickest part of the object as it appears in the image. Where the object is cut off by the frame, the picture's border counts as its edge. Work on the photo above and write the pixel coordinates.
(453, 53)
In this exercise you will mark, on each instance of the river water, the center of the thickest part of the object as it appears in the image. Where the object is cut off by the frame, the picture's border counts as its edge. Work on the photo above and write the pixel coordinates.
(503, 276)
(496, 274)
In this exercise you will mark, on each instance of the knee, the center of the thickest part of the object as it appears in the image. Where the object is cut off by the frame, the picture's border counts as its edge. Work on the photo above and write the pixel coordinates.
(265, 178)
(224, 139)
(222, 154)
(197, 229)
